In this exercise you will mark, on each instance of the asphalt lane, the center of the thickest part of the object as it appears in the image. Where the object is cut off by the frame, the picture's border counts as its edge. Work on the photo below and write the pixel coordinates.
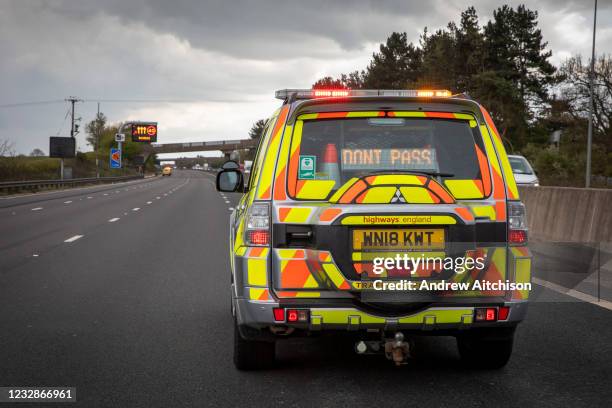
(135, 313)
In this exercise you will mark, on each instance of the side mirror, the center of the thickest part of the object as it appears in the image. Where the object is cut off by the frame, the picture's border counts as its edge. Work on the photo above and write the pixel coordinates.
(230, 181)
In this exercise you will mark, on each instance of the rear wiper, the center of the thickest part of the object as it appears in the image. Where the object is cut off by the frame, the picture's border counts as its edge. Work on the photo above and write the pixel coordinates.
(435, 173)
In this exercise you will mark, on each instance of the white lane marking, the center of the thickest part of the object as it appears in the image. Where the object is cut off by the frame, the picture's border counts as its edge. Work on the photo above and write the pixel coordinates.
(89, 198)
(136, 209)
(157, 198)
(231, 208)
(105, 193)
(35, 255)
(573, 293)
(149, 202)
(226, 202)
(37, 209)
(74, 238)
(113, 219)
(165, 194)
(67, 202)
(124, 213)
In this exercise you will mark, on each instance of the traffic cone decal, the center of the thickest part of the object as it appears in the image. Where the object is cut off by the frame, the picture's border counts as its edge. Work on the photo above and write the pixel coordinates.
(330, 164)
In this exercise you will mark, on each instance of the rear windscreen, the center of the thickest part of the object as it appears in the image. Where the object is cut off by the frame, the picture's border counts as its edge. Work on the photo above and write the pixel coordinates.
(340, 149)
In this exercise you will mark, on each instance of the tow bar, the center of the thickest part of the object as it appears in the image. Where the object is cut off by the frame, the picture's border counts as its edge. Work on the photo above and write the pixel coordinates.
(395, 349)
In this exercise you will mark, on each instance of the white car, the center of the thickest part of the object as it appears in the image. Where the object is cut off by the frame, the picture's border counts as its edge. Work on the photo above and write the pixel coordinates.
(523, 172)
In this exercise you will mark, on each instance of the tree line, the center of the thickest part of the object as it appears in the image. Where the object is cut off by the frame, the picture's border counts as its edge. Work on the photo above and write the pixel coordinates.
(505, 65)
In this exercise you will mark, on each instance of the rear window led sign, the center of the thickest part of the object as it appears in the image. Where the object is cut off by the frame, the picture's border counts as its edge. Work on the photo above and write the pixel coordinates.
(144, 132)
(389, 159)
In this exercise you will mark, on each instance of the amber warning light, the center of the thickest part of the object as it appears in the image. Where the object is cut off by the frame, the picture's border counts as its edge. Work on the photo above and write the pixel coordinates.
(144, 132)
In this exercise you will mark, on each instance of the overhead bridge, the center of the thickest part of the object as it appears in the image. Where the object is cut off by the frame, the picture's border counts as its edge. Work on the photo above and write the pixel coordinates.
(226, 146)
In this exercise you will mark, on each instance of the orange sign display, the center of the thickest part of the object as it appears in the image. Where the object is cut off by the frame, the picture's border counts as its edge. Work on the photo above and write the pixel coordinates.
(144, 132)
(414, 158)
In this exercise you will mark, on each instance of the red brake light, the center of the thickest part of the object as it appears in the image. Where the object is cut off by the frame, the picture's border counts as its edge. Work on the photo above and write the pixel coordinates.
(259, 237)
(490, 315)
(279, 314)
(504, 311)
(333, 93)
(517, 236)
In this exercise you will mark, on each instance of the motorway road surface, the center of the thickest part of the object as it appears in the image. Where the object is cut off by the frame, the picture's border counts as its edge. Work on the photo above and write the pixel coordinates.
(122, 291)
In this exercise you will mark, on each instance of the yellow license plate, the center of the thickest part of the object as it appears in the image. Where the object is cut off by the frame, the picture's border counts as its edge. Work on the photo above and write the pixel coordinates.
(398, 239)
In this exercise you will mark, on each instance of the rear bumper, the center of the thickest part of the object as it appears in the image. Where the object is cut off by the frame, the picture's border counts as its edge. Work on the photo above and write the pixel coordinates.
(255, 318)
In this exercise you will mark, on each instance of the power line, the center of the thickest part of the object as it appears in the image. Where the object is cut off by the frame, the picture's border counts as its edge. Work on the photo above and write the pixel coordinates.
(31, 103)
(63, 121)
(143, 100)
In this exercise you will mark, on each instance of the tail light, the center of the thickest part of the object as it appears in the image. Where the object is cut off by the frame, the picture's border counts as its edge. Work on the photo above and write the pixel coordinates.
(517, 223)
(258, 225)
(491, 314)
(279, 314)
(297, 315)
(485, 314)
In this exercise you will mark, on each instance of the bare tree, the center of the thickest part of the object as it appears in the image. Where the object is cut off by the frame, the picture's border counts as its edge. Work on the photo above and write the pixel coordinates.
(7, 148)
(576, 90)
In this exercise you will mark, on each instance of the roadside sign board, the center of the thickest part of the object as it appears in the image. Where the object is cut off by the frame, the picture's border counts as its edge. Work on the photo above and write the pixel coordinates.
(144, 132)
(115, 158)
(62, 147)
(119, 137)
(137, 160)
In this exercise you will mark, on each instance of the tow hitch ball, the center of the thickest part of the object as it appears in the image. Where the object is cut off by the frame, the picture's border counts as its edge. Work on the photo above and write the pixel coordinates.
(396, 349)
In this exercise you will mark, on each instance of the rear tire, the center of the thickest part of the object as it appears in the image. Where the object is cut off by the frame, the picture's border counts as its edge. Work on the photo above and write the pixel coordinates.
(252, 354)
(486, 348)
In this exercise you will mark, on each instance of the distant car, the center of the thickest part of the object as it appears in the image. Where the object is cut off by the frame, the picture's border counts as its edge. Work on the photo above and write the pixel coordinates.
(523, 172)
(167, 171)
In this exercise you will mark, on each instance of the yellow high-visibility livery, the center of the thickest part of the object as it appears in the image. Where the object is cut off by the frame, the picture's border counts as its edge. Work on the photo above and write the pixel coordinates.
(385, 214)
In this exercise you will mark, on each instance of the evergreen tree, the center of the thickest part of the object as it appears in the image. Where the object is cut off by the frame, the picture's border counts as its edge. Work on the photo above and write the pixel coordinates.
(396, 66)
(328, 83)
(257, 129)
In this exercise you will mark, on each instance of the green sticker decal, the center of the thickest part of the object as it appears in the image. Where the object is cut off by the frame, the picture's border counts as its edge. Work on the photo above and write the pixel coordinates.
(308, 164)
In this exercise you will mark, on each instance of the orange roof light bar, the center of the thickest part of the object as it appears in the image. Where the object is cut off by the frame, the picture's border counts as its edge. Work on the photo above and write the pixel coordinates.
(343, 93)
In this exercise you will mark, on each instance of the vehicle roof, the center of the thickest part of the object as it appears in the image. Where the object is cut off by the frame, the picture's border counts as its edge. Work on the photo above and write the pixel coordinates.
(384, 103)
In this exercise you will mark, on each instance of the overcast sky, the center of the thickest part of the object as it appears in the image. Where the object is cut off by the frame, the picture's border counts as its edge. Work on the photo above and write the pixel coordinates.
(210, 68)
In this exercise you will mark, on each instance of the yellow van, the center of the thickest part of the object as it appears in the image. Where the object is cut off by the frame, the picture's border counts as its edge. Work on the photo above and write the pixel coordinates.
(167, 171)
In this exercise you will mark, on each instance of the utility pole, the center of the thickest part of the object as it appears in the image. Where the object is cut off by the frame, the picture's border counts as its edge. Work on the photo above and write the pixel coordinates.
(73, 100)
(73, 128)
(97, 141)
(591, 79)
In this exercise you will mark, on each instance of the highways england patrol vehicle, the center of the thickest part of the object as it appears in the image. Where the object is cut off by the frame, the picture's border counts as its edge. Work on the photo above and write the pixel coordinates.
(349, 189)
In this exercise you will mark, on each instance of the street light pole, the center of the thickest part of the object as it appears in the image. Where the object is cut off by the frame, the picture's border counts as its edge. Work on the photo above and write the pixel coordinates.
(591, 79)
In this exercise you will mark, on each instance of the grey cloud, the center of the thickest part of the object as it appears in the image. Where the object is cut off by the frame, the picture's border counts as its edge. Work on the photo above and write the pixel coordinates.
(221, 52)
